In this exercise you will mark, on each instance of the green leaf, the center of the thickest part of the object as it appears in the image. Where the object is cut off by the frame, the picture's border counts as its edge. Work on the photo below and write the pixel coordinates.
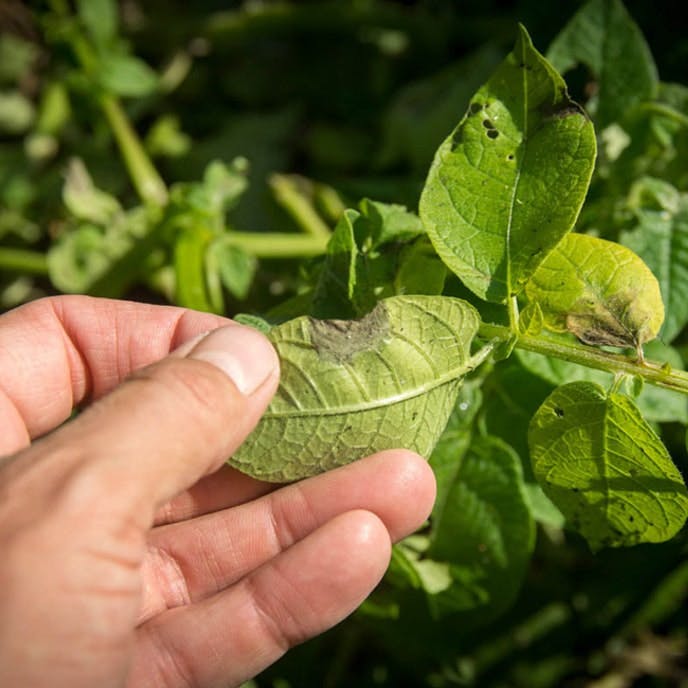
(423, 111)
(16, 56)
(485, 532)
(100, 17)
(512, 395)
(605, 468)
(124, 75)
(386, 222)
(105, 261)
(254, 321)
(84, 200)
(351, 388)
(420, 271)
(598, 290)
(236, 267)
(660, 238)
(343, 290)
(448, 454)
(604, 37)
(509, 182)
(17, 112)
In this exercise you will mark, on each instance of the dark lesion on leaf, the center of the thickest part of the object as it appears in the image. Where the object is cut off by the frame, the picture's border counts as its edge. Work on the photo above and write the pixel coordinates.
(562, 109)
(341, 340)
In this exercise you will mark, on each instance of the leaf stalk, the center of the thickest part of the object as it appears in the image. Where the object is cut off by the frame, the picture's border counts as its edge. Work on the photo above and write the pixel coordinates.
(651, 372)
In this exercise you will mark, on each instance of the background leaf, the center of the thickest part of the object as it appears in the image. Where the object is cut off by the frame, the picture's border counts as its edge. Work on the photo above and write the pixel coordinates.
(100, 17)
(603, 36)
(487, 202)
(484, 531)
(659, 235)
(349, 389)
(128, 76)
(605, 468)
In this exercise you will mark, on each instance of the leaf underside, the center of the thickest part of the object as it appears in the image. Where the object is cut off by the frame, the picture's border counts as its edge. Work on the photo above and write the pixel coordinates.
(351, 388)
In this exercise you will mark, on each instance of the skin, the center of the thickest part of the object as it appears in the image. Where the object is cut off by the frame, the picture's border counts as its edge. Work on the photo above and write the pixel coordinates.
(131, 554)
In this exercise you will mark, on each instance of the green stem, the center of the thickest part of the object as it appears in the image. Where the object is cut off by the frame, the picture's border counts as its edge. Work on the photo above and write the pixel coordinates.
(277, 244)
(667, 111)
(148, 183)
(24, 261)
(652, 372)
(289, 196)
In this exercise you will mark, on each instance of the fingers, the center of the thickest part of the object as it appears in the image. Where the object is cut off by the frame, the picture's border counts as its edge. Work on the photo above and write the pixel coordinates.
(225, 488)
(228, 638)
(167, 426)
(193, 560)
(56, 352)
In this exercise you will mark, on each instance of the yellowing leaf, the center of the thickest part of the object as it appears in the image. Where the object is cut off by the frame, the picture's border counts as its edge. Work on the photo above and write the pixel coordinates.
(598, 290)
(349, 388)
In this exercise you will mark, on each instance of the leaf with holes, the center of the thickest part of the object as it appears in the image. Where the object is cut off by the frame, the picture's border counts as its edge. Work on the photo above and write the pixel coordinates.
(509, 182)
(351, 388)
(605, 468)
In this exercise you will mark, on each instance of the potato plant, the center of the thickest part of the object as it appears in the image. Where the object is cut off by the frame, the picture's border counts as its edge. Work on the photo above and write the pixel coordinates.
(525, 329)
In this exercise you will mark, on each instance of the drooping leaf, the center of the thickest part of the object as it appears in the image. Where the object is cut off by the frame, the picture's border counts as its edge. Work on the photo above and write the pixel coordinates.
(605, 468)
(604, 37)
(509, 182)
(351, 388)
(598, 290)
(484, 531)
(660, 238)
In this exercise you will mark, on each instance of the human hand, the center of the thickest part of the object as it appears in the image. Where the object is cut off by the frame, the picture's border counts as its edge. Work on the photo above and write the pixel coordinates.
(129, 554)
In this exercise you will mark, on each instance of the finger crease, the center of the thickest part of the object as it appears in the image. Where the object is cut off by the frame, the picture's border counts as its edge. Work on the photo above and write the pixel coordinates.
(170, 577)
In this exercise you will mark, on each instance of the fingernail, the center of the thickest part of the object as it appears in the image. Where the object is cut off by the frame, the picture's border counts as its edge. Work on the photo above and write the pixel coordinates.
(242, 353)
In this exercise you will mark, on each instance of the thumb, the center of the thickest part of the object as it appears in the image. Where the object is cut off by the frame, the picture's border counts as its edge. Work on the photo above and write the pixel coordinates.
(170, 423)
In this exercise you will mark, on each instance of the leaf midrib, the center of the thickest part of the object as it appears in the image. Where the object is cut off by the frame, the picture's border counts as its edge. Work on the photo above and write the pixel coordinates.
(370, 405)
(519, 167)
